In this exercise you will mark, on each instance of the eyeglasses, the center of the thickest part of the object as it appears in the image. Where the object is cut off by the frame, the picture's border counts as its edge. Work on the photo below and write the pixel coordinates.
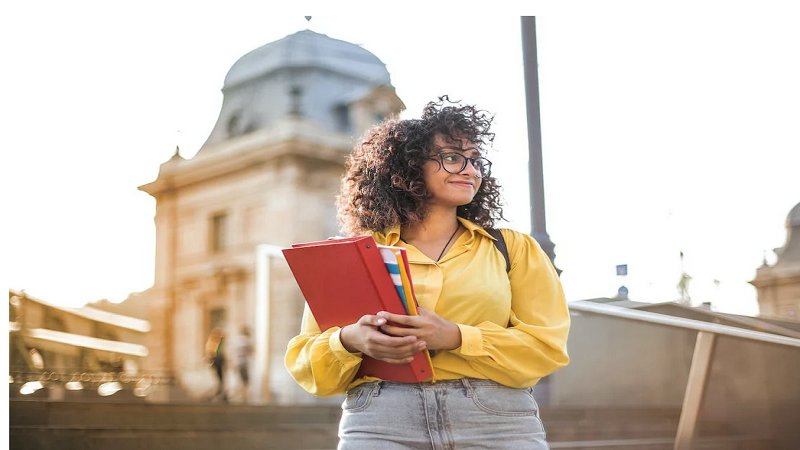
(455, 163)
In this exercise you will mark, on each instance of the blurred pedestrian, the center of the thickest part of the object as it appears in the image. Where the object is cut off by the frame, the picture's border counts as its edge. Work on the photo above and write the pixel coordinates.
(216, 357)
(243, 349)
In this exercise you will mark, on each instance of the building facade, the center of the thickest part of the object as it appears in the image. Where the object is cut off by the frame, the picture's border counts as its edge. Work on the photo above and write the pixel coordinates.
(59, 353)
(778, 285)
(266, 177)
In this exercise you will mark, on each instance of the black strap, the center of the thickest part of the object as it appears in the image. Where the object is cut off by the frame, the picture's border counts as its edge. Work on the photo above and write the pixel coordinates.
(500, 243)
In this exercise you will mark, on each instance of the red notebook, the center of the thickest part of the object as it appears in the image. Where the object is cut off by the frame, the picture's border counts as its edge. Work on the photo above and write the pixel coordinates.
(344, 279)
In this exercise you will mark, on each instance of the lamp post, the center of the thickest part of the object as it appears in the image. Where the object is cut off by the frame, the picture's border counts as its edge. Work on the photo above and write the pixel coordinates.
(535, 170)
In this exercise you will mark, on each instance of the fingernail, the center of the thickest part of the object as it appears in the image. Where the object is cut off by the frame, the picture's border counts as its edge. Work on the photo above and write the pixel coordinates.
(381, 321)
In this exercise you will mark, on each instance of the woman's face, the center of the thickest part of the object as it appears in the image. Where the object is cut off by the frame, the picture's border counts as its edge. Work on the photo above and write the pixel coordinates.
(451, 189)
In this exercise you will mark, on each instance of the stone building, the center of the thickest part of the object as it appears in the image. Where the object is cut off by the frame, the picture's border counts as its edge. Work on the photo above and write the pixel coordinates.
(778, 285)
(75, 353)
(265, 178)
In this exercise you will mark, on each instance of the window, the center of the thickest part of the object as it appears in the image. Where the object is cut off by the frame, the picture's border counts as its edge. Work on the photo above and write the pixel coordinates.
(341, 116)
(219, 232)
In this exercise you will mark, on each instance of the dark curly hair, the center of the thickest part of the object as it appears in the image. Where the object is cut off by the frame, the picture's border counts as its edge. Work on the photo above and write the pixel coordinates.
(383, 184)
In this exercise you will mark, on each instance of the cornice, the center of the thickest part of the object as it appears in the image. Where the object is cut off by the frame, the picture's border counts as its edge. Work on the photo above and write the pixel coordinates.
(292, 136)
(776, 279)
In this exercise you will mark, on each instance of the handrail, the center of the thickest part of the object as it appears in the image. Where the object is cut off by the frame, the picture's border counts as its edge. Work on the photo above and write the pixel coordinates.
(702, 356)
(88, 312)
(680, 322)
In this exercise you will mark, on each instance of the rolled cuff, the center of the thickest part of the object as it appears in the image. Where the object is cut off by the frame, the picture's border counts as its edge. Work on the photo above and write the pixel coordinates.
(341, 353)
(471, 341)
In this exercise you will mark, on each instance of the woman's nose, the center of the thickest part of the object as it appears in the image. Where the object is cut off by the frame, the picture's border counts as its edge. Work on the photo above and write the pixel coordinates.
(469, 169)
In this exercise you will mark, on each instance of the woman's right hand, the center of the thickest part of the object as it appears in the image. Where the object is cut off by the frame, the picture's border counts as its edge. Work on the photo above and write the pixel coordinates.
(365, 336)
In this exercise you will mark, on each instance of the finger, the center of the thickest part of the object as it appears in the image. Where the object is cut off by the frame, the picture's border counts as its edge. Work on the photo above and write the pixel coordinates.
(398, 353)
(391, 341)
(371, 320)
(397, 318)
(399, 331)
(424, 312)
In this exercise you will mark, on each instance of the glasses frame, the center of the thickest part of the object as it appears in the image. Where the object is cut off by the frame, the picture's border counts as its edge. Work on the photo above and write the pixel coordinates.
(439, 157)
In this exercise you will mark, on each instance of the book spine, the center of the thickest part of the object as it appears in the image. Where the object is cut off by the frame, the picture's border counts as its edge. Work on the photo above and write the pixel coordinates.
(381, 280)
(420, 367)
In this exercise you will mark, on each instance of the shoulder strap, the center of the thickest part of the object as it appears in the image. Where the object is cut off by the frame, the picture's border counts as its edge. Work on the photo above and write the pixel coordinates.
(500, 243)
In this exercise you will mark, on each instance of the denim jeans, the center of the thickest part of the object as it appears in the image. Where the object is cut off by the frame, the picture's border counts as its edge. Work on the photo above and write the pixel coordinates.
(446, 415)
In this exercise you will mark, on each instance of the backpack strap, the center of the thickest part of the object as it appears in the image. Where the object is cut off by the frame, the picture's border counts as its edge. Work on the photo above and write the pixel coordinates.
(500, 243)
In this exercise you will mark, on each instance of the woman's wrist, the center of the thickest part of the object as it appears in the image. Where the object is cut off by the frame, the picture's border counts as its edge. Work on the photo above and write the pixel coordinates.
(344, 337)
(453, 337)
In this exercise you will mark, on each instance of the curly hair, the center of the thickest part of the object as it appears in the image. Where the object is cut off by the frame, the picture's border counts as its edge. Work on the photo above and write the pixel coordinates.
(383, 185)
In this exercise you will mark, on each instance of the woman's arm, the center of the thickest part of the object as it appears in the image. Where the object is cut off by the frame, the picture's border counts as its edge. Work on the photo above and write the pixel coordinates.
(318, 361)
(534, 344)
(324, 363)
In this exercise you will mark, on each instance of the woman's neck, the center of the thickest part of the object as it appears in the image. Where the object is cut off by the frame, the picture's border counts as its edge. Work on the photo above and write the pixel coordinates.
(438, 225)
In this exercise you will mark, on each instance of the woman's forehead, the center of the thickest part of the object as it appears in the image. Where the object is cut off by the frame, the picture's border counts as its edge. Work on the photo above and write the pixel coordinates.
(459, 143)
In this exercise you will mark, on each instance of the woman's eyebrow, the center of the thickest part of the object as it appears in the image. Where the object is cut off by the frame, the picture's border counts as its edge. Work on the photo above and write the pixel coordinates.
(462, 150)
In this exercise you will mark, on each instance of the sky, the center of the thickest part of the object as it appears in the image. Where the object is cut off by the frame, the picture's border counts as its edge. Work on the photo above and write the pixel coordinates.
(666, 128)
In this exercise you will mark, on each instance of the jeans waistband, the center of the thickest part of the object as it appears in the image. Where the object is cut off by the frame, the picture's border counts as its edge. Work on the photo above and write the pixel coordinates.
(457, 383)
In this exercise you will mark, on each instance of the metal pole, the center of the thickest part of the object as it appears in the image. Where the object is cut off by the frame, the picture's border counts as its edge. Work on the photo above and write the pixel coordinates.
(535, 166)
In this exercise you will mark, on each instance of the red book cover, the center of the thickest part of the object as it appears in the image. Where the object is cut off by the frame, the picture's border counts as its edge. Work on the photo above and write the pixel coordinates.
(344, 279)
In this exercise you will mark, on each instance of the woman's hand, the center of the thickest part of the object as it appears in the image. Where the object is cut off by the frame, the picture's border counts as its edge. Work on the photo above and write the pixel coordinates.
(366, 337)
(437, 333)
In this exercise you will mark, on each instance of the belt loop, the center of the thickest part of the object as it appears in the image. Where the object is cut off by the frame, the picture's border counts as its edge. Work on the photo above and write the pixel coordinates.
(467, 387)
(377, 389)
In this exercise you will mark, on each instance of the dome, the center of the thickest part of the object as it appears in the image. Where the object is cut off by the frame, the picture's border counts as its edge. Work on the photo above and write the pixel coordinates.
(306, 76)
(306, 49)
(793, 219)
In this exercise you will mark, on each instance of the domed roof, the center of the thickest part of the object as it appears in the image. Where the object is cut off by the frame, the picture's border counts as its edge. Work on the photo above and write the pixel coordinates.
(308, 49)
(793, 219)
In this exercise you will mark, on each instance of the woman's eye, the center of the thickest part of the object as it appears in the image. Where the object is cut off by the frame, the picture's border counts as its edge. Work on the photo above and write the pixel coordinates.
(450, 158)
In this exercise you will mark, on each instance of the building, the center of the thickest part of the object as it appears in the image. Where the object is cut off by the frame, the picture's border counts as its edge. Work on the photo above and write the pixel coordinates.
(778, 285)
(74, 351)
(265, 178)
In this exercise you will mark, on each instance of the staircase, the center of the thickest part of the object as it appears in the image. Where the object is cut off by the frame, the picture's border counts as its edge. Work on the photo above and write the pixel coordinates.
(635, 429)
(36, 424)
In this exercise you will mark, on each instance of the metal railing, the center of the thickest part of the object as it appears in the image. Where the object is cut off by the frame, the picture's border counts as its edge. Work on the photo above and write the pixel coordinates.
(701, 358)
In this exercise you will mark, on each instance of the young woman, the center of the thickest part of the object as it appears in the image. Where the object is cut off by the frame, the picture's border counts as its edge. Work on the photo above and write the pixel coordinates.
(425, 184)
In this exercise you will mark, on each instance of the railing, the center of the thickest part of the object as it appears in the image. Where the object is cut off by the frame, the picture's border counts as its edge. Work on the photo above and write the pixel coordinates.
(701, 358)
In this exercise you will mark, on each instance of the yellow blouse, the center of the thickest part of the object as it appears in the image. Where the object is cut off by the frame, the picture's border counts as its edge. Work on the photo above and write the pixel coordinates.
(514, 325)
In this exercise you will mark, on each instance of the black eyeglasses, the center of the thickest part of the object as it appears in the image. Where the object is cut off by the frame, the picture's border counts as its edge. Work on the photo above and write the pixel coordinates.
(455, 163)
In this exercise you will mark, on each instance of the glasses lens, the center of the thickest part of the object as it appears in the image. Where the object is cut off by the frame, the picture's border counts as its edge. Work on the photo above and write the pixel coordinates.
(482, 167)
(453, 162)
(456, 162)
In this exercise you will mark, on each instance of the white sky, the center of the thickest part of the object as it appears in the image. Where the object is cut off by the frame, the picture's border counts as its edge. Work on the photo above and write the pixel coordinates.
(664, 128)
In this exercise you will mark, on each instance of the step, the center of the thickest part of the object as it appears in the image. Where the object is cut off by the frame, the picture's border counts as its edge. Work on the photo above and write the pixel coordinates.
(35, 438)
(703, 443)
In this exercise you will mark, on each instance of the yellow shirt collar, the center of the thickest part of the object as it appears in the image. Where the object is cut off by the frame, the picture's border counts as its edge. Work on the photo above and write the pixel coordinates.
(391, 236)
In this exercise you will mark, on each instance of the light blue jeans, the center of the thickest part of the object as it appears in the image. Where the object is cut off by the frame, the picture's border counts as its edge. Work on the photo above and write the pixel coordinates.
(446, 415)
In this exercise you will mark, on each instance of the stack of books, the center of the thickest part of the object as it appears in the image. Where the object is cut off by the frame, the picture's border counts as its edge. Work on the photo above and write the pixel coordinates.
(344, 279)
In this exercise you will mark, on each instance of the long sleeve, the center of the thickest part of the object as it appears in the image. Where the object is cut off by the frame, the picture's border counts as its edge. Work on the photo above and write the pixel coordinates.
(534, 344)
(318, 361)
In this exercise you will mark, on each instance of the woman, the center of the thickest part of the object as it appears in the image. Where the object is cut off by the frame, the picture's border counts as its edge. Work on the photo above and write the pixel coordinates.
(216, 358)
(425, 185)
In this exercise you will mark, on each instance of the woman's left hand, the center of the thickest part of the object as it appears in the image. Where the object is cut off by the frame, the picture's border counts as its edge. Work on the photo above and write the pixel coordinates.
(438, 333)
